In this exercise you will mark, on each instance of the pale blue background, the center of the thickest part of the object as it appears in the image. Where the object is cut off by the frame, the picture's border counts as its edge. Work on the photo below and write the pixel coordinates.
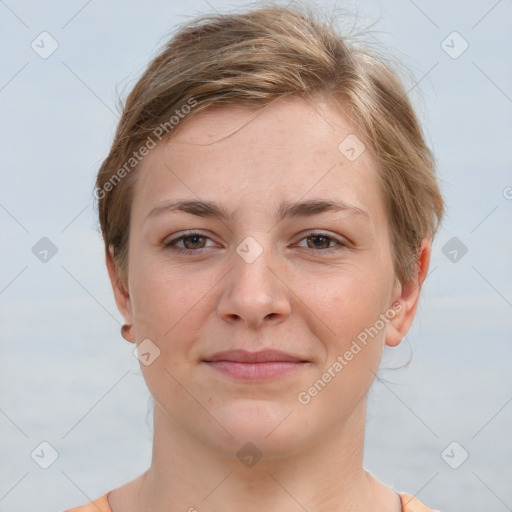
(64, 363)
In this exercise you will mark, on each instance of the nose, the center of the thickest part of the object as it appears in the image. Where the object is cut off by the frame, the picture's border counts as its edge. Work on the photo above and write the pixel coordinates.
(255, 292)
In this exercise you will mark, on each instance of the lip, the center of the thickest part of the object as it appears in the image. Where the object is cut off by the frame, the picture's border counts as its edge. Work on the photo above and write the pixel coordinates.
(262, 356)
(254, 366)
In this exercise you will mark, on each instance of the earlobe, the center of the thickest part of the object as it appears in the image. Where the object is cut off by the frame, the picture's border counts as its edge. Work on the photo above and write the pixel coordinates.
(121, 295)
(407, 297)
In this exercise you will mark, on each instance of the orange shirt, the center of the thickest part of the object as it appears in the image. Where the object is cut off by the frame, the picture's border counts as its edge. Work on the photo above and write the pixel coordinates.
(409, 504)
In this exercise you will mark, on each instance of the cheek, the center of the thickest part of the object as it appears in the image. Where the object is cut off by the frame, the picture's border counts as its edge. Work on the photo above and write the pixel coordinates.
(165, 298)
(353, 351)
(357, 298)
(356, 315)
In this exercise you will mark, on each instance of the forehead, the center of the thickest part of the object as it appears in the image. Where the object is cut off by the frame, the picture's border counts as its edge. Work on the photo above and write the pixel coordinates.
(245, 155)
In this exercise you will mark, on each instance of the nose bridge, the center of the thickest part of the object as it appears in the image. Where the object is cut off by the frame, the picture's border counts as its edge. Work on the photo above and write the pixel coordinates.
(253, 292)
(251, 266)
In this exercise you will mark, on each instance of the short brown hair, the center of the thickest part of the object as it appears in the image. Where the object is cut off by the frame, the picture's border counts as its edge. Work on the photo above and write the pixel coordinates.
(254, 58)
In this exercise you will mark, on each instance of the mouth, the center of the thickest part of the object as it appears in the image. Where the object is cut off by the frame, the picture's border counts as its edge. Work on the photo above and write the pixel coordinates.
(255, 366)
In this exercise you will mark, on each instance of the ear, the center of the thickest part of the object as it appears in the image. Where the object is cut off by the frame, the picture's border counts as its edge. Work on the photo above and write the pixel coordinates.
(121, 294)
(406, 296)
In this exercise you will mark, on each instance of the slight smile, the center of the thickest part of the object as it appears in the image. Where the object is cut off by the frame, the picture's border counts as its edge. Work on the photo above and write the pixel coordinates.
(255, 366)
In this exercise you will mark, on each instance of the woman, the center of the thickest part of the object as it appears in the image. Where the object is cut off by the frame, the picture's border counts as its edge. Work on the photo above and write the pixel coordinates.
(268, 207)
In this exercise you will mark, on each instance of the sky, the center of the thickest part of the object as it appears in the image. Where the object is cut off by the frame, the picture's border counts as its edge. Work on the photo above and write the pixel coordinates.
(67, 378)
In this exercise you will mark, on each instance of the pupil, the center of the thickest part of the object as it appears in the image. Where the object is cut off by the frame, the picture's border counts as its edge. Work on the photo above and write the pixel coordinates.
(194, 239)
(316, 237)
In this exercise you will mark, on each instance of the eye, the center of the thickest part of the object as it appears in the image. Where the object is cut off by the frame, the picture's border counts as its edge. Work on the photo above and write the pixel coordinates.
(322, 241)
(193, 242)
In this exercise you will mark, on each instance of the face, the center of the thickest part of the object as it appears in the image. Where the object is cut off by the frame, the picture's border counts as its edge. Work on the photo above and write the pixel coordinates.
(300, 262)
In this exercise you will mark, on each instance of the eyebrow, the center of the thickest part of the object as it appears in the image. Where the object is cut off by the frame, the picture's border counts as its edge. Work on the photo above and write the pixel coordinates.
(286, 209)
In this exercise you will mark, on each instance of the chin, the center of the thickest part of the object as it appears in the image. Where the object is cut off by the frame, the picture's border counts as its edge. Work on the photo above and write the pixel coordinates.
(267, 425)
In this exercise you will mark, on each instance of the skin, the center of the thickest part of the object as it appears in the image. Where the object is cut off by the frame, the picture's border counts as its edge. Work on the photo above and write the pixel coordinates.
(304, 295)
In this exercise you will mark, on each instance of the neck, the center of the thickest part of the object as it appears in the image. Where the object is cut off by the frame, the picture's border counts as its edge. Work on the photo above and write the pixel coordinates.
(325, 476)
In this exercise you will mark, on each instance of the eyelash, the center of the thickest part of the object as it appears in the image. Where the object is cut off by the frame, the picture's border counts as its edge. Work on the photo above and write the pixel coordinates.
(172, 243)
